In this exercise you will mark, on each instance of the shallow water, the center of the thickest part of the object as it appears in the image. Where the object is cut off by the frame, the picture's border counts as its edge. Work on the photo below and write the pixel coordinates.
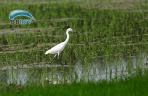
(97, 70)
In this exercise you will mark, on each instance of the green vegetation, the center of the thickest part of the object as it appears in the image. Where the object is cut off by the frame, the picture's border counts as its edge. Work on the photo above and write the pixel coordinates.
(98, 31)
(133, 86)
(103, 33)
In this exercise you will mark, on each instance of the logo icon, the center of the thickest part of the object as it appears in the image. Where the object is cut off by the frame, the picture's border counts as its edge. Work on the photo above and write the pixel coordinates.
(15, 13)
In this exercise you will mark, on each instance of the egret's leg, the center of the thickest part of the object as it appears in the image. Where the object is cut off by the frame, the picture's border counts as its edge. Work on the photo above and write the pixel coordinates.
(53, 58)
(55, 55)
(59, 58)
(58, 55)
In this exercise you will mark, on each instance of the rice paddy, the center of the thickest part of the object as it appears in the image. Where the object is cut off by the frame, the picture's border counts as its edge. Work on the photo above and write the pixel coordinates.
(108, 48)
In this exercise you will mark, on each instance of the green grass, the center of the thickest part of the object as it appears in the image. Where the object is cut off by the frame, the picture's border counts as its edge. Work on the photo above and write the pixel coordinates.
(102, 34)
(136, 85)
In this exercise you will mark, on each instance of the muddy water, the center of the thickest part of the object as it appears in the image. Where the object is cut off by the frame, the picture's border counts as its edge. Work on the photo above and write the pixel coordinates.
(43, 73)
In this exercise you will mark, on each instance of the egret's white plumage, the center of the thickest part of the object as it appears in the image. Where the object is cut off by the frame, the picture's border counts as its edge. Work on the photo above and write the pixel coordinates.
(58, 48)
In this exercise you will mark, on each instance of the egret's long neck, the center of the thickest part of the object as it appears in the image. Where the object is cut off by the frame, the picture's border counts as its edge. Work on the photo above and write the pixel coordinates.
(67, 33)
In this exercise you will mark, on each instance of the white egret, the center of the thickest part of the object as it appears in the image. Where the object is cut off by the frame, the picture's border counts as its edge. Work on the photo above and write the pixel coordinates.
(58, 48)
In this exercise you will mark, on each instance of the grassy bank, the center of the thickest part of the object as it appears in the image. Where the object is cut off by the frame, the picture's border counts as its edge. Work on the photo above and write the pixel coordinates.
(136, 85)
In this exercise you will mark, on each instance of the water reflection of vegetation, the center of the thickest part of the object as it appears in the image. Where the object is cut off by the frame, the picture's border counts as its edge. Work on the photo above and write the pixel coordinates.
(132, 86)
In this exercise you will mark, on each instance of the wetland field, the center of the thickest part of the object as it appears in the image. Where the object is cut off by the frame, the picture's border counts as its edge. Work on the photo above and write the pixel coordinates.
(107, 54)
